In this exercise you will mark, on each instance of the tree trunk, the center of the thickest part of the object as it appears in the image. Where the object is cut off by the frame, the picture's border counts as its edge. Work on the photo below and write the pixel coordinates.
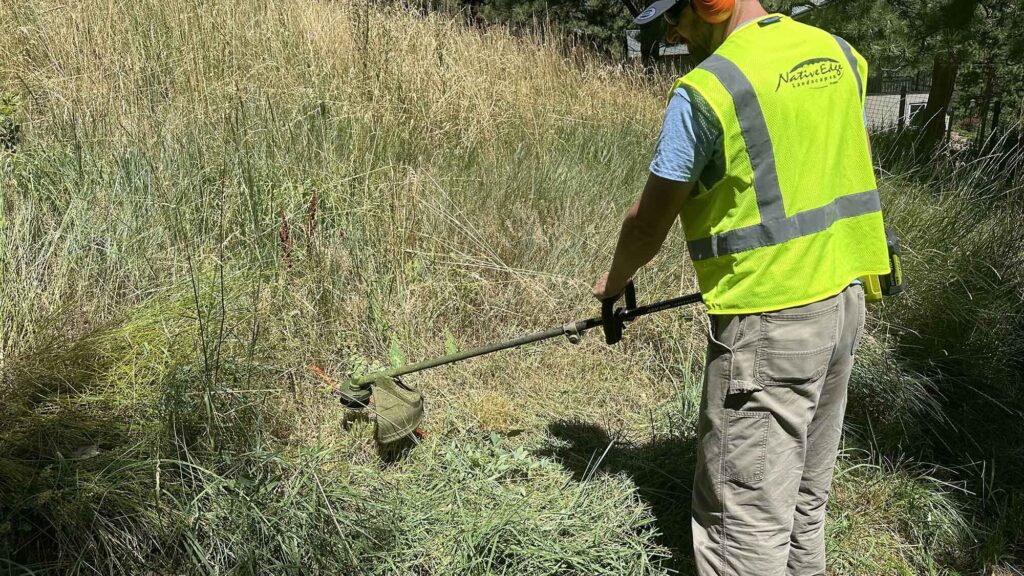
(943, 81)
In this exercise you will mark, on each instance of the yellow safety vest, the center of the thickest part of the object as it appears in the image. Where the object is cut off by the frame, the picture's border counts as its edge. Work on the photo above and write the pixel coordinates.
(796, 215)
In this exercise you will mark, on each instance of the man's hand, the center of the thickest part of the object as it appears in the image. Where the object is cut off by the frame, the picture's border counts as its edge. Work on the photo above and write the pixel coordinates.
(643, 231)
(602, 291)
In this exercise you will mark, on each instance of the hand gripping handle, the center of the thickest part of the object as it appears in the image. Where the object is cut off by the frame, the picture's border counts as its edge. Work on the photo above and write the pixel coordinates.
(611, 317)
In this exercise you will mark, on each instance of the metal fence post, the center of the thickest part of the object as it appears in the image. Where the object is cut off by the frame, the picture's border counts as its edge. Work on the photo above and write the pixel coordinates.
(903, 107)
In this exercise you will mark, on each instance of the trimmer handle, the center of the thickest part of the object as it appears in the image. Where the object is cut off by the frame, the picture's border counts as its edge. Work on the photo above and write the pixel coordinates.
(611, 317)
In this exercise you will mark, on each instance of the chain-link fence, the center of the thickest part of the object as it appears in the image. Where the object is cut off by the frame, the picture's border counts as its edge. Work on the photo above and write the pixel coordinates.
(898, 102)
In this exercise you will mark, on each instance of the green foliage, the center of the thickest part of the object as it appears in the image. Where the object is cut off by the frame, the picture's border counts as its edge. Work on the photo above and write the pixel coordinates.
(450, 345)
(9, 104)
(878, 31)
(931, 526)
(395, 353)
(994, 66)
(598, 23)
(482, 507)
(10, 126)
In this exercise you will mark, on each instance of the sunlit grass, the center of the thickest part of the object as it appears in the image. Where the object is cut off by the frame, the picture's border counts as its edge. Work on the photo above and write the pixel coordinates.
(207, 197)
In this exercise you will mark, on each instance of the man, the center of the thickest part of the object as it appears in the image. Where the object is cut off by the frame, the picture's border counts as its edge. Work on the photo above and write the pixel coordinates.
(764, 156)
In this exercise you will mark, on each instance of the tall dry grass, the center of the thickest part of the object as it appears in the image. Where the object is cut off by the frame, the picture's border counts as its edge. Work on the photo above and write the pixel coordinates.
(209, 196)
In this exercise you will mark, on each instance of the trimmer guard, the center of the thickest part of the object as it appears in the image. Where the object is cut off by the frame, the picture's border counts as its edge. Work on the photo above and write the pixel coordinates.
(398, 407)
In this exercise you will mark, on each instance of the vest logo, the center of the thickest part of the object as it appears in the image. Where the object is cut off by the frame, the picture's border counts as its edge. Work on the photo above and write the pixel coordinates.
(813, 73)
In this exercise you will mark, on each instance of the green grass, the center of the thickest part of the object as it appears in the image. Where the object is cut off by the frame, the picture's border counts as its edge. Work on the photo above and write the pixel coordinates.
(206, 198)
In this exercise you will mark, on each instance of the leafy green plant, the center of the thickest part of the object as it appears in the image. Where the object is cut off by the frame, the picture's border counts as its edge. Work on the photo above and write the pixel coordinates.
(10, 129)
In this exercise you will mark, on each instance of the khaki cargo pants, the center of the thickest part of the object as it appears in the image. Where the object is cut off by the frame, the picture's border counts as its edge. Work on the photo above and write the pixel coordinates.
(771, 417)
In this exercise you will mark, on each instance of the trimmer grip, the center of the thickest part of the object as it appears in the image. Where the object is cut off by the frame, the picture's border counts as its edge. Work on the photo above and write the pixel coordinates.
(610, 315)
(612, 328)
(630, 295)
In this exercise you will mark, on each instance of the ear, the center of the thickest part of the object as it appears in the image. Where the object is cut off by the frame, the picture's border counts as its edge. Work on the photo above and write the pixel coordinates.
(713, 11)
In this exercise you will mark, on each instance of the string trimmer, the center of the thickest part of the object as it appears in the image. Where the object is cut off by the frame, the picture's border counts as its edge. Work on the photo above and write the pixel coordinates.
(399, 408)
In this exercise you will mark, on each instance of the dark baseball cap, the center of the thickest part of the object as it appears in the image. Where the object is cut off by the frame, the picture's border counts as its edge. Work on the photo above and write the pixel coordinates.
(655, 10)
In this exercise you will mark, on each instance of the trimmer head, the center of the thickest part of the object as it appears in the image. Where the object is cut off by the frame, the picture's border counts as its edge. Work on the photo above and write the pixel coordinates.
(354, 394)
(397, 408)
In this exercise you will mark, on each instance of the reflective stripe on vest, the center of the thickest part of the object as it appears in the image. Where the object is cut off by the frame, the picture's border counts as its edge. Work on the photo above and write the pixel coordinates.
(775, 227)
(848, 52)
(778, 231)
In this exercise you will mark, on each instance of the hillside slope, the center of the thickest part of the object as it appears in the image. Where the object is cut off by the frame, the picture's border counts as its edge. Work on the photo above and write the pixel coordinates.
(208, 197)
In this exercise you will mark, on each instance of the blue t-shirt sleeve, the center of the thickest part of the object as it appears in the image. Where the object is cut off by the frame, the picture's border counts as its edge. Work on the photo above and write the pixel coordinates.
(688, 139)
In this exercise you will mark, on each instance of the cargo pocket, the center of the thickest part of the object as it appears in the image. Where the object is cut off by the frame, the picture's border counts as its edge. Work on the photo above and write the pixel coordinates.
(796, 345)
(746, 445)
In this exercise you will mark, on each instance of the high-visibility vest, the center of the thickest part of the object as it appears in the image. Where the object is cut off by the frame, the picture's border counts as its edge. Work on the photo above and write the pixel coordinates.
(795, 216)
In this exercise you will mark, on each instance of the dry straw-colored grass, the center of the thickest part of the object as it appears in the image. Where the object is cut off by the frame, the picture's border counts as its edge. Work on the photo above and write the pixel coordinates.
(440, 186)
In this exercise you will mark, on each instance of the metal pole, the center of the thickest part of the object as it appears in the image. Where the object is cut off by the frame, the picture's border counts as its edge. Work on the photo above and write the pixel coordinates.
(903, 107)
(569, 329)
(659, 306)
(433, 363)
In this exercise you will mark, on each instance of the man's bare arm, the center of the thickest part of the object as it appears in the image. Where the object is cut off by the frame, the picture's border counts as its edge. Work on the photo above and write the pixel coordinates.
(644, 230)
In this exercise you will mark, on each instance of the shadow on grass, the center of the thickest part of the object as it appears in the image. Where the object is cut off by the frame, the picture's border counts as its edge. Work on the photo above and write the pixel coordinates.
(662, 470)
(69, 478)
